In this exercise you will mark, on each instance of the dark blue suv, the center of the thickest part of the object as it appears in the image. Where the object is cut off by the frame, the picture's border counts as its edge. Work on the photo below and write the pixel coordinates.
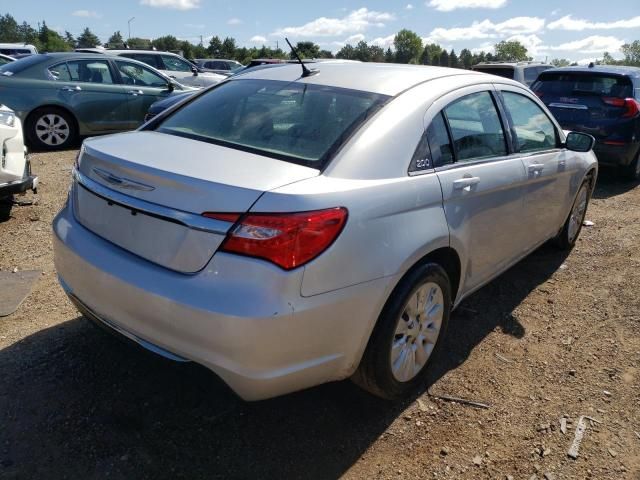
(602, 100)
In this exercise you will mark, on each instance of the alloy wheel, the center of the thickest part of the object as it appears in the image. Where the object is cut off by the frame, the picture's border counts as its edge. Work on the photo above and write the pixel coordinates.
(577, 213)
(52, 129)
(417, 332)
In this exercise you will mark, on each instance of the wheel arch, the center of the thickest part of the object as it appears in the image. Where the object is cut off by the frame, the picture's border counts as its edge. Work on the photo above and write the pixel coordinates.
(29, 117)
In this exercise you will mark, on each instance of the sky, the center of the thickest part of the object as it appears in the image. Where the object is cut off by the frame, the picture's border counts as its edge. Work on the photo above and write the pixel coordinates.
(577, 30)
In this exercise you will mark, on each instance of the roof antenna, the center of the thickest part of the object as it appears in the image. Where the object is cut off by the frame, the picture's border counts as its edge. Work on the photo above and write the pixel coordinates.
(305, 71)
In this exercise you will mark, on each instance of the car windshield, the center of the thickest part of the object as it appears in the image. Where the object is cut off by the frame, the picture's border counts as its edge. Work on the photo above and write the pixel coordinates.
(583, 83)
(291, 121)
(20, 65)
(506, 72)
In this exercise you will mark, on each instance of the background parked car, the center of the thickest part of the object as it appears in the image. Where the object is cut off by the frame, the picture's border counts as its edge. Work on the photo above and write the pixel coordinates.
(217, 65)
(602, 100)
(59, 96)
(4, 59)
(266, 186)
(15, 168)
(173, 66)
(523, 72)
(17, 49)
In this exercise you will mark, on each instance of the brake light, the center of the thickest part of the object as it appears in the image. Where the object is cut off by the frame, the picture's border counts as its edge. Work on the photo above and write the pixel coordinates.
(632, 107)
(539, 94)
(287, 239)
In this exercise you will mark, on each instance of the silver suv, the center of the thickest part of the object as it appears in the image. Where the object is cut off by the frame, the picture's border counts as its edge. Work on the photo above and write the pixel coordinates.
(523, 72)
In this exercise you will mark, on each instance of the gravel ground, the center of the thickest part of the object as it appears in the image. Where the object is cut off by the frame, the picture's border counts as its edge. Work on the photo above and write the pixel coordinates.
(555, 337)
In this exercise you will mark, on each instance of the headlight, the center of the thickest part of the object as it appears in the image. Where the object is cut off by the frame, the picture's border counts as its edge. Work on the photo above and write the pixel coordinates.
(7, 118)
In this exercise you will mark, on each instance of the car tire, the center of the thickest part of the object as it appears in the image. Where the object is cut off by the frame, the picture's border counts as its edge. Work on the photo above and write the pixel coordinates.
(403, 335)
(566, 239)
(51, 128)
(632, 172)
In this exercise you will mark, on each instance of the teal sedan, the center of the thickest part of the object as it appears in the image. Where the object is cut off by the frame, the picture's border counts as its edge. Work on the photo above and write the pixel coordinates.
(61, 96)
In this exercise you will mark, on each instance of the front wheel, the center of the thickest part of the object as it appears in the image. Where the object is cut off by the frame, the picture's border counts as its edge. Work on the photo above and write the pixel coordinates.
(408, 334)
(568, 236)
(51, 129)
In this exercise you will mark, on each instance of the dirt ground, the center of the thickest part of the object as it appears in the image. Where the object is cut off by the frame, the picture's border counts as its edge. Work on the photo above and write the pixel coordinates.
(556, 336)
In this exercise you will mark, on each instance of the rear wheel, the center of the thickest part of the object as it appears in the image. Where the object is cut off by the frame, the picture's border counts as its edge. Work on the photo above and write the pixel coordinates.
(51, 129)
(568, 236)
(408, 334)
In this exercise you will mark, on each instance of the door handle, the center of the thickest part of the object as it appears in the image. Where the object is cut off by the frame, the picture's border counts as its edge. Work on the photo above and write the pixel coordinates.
(465, 183)
(135, 93)
(536, 167)
(75, 88)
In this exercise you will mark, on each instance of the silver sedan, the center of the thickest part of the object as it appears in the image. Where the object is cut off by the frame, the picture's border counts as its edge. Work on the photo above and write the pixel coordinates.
(287, 230)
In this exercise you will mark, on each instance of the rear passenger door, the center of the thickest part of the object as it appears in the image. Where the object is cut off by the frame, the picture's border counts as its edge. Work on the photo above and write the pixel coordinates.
(482, 186)
(548, 168)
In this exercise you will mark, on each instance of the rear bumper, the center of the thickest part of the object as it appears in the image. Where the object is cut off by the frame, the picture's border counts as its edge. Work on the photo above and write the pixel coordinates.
(19, 186)
(616, 155)
(242, 318)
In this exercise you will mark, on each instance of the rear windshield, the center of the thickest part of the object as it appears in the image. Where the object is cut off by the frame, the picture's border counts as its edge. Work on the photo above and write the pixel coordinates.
(506, 72)
(291, 121)
(21, 64)
(579, 83)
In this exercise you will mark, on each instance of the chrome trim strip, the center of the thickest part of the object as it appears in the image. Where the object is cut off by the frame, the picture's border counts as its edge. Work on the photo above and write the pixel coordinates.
(570, 106)
(189, 220)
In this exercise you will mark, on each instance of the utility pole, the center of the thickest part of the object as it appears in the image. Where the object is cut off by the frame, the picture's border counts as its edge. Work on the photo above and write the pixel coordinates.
(129, 23)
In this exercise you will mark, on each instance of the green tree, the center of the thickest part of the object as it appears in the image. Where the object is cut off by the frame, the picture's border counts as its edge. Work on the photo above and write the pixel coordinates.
(376, 53)
(215, 47)
(167, 43)
(444, 59)
(228, 49)
(88, 39)
(70, 39)
(306, 50)
(425, 58)
(560, 62)
(389, 56)
(347, 53)
(116, 39)
(466, 58)
(9, 29)
(51, 41)
(28, 34)
(362, 52)
(139, 43)
(327, 54)
(511, 51)
(408, 46)
(453, 59)
(631, 52)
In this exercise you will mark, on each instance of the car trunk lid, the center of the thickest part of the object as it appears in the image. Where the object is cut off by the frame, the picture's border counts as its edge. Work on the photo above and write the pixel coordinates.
(146, 192)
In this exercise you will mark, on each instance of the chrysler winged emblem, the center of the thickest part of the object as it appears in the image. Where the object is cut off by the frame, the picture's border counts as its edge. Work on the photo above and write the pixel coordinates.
(122, 182)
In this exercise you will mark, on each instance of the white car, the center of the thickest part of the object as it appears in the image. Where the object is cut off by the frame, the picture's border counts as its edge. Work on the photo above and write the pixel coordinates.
(15, 168)
(173, 66)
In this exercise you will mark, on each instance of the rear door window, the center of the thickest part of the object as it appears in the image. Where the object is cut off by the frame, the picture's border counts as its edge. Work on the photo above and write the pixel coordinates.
(148, 58)
(85, 71)
(532, 129)
(530, 75)
(475, 127)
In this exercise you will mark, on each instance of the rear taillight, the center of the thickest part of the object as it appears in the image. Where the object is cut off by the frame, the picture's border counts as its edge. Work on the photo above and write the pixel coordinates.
(287, 239)
(539, 94)
(631, 106)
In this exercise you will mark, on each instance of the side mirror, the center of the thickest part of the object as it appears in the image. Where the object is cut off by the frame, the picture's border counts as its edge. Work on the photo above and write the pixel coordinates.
(194, 69)
(579, 142)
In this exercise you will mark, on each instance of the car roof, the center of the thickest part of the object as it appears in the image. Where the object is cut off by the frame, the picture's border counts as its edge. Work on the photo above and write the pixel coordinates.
(382, 78)
(513, 64)
(617, 69)
(131, 50)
